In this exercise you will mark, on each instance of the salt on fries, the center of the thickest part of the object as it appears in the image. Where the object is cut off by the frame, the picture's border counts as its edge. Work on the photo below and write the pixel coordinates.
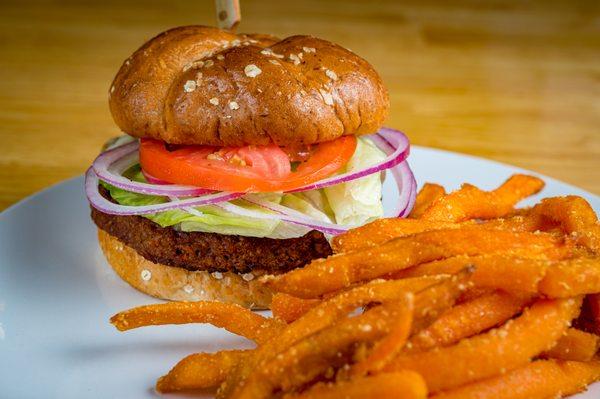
(467, 298)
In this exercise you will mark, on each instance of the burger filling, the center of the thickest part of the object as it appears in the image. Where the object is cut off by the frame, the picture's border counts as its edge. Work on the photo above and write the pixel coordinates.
(268, 173)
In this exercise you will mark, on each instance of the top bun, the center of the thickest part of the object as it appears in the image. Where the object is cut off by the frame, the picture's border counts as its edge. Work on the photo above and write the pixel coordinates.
(203, 85)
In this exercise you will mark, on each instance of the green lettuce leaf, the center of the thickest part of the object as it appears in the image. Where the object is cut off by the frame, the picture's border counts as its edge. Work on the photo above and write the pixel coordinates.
(211, 220)
(300, 203)
(359, 201)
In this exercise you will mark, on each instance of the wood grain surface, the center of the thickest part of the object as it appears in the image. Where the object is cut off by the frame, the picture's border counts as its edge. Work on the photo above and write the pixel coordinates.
(514, 81)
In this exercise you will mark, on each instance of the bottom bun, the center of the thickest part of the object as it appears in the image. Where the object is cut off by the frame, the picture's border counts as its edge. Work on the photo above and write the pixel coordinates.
(178, 284)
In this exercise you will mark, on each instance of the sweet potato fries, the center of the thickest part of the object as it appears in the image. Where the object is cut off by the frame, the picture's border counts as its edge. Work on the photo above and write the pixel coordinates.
(469, 297)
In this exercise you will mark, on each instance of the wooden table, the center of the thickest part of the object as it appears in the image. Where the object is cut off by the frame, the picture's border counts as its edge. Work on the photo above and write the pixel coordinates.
(514, 81)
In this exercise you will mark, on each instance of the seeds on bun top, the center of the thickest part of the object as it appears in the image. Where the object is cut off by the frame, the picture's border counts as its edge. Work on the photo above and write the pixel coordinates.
(203, 85)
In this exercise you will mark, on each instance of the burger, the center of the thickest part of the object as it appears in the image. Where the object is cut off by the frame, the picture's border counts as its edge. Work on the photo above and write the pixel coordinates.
(242, 155)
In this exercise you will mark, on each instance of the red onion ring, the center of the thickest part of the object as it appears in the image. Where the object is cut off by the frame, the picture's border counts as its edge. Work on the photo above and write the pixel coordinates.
(401, 147)
(405, 179)
(406, 187)
(153, 180)
(122, 158)
(413, 195)
(104, 205)
(388, 134)
(290, 215)
(283, 214)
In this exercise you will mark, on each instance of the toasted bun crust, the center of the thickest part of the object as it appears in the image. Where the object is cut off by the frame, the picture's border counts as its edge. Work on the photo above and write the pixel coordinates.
(178, 284)
(203, 85)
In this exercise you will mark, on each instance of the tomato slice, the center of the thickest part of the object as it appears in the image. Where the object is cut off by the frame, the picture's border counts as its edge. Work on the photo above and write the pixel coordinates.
(244, 169)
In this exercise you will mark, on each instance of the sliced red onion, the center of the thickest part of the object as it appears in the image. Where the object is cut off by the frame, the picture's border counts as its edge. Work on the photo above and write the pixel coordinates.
(313, 224)
(405, 181)
(413, 193)
(290, 215)
(104, 205)
(402, 174)
(153, 180)
(401, 149)
(390, 136)
(112, 163)
(190, 210)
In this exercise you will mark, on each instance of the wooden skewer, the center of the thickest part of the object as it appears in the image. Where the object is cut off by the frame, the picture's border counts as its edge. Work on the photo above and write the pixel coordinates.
(228, 14)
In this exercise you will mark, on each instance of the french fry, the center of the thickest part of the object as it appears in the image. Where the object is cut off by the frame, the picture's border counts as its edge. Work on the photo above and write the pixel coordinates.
(318, 318)
(520, 220)
(574, 345)
(199, 371)
(466, 320)
(311, 357)
(486, 355)
(404, 384)
(575, 216)
(474, 293)
(497, 271)
(542, 379)
(383, 230)
(436, 299)
(554, 279)
(572, 277)
(233, 318)
(386, 349)
(339, 271)
(289, 308)
(472, 203)
(425, 197)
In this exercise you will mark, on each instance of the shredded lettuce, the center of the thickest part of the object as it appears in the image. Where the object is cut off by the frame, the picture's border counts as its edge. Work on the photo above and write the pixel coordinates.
(299, 203)
(354, 203)
(211, 220)
(318, 200)
(358, 201)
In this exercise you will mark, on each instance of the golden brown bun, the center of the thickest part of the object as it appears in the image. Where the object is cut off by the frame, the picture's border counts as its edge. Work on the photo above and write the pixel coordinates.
(203, 85)
(178, 284)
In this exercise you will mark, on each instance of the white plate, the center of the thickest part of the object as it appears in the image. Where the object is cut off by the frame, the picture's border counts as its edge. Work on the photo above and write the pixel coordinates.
(57, 293)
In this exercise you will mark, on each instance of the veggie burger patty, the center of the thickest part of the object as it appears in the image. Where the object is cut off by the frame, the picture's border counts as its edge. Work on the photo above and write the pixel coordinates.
(210, 251)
